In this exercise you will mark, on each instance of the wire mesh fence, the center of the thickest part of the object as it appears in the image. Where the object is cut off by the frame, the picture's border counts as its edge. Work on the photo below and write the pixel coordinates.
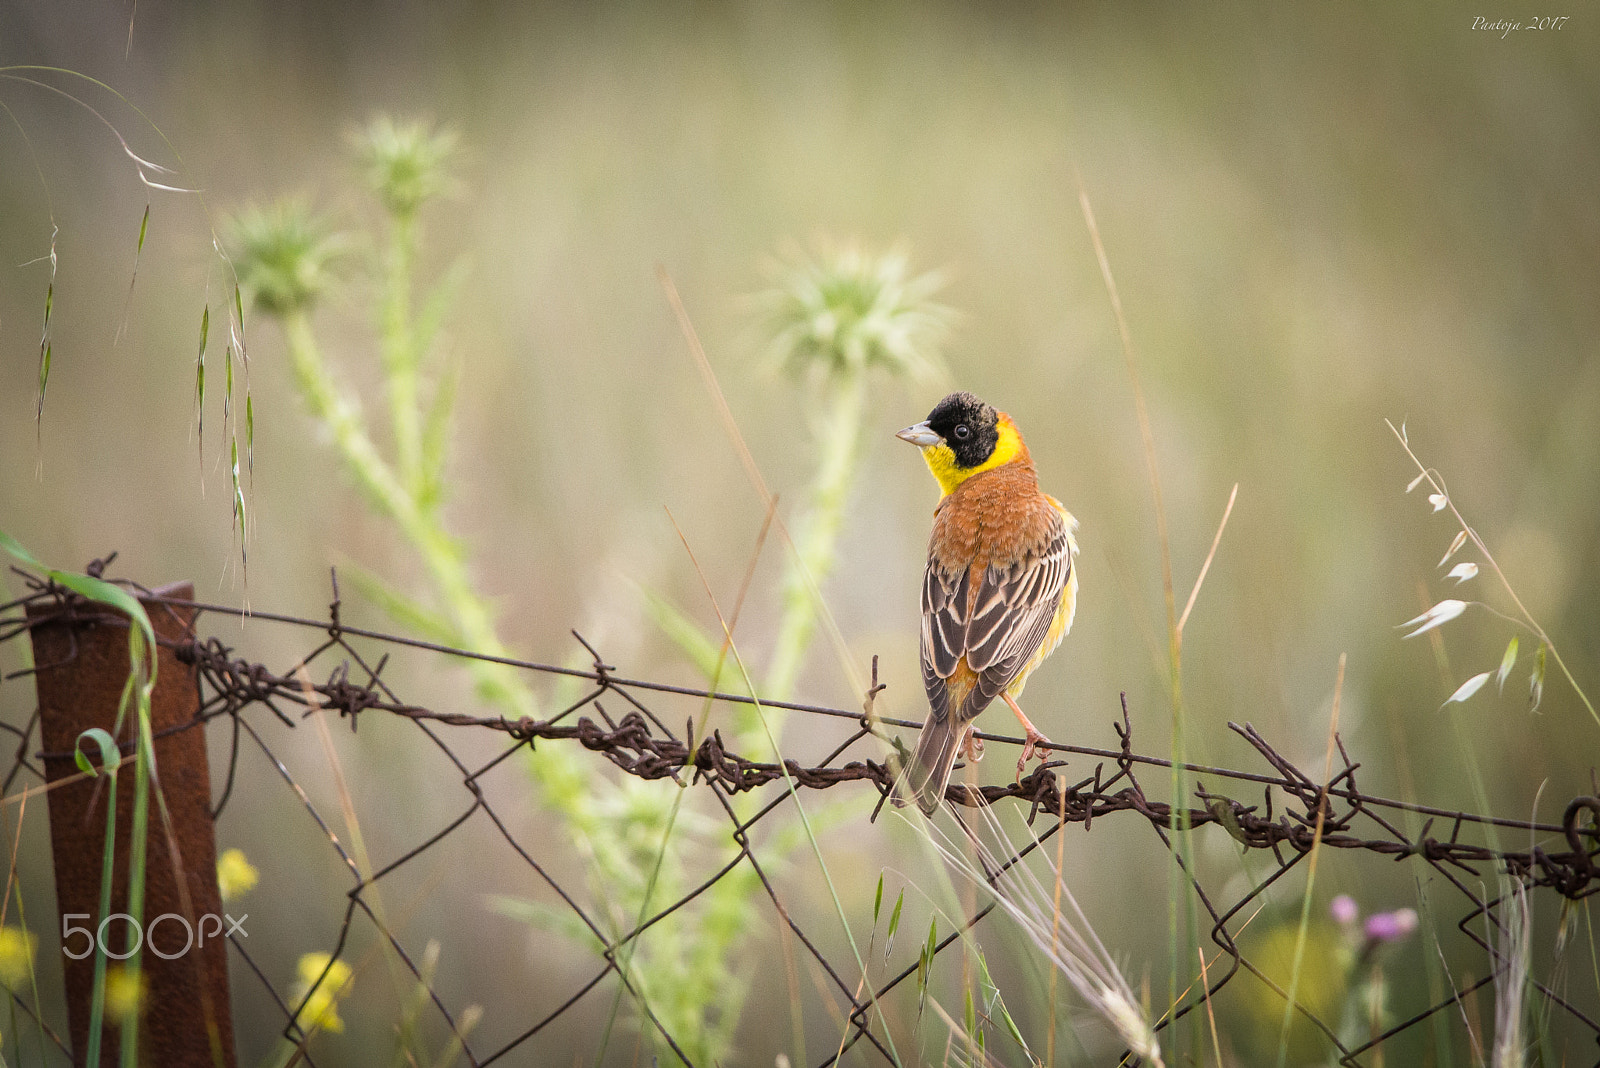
(619, 719)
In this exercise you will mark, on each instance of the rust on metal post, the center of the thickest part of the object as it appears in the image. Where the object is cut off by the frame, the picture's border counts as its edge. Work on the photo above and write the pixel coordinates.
(82, 653)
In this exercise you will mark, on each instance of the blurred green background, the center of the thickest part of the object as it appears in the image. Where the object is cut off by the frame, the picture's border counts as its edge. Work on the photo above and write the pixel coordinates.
(1319, 217)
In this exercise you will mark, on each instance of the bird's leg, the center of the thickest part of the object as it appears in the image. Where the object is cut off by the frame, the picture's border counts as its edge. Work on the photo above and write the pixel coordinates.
(1031, 745)
(972, 745)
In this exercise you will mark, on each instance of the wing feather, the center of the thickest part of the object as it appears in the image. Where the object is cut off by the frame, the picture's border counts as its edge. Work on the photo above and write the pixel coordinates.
(944, 620)
(1010, 614)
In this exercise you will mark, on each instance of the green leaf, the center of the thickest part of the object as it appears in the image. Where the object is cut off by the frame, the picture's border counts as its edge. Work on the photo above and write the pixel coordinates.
(1012, 1029)
(436, 432)
(94, 589)
(994, 1007)
(1536, 680)
(412, 615)
(877, 902)
(45, 345)
(141, 641)
(925, 964)
(970, 1012)
(14, 547)
(894, 923)
(110, 757)
(1222, 810)
(1507, 662)
(439, 303)
(249, 433)
(991, 992)
(144, 225)
(200, 377)
(543, 917)
(238, 505)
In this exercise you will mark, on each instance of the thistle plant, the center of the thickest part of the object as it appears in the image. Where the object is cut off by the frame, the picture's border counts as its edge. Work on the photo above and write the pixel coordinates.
(835, 319)
(832, 321)
(1365, 1013)
(288, 259)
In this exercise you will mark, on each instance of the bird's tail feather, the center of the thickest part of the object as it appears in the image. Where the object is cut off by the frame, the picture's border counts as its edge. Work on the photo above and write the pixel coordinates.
(929, 771)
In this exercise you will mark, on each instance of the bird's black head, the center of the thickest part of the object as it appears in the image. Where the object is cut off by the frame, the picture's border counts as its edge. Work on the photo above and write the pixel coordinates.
(968, 426)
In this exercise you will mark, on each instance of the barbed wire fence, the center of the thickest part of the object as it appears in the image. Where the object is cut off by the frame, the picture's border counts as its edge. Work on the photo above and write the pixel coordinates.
(334, 675)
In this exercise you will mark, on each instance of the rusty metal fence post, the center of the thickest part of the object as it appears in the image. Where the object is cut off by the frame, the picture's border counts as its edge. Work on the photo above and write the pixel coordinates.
(82, 657)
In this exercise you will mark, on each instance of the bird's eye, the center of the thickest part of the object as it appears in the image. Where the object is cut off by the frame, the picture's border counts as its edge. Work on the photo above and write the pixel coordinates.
(963, 432)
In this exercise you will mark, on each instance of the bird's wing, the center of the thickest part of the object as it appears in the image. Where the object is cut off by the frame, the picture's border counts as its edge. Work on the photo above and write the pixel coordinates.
(997, 627)
(1011, 613)
(944, 631)
(944, 617)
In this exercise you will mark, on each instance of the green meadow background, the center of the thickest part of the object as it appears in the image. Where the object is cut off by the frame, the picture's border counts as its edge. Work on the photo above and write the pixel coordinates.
(1319, 217)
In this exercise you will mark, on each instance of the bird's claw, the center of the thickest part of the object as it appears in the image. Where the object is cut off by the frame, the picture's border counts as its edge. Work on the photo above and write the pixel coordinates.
(1030, 749)
(972, 746)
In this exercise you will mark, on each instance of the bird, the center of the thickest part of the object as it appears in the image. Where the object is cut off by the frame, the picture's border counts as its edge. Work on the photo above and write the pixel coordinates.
(1000, 589)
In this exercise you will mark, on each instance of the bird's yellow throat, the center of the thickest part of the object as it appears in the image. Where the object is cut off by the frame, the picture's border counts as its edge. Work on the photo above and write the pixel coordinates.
(941, 459)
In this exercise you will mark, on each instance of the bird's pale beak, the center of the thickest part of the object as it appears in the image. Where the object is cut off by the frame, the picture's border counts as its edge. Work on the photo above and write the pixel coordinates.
(921, 435)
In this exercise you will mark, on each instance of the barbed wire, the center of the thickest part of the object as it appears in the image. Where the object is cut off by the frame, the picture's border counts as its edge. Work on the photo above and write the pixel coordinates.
(1297, 813)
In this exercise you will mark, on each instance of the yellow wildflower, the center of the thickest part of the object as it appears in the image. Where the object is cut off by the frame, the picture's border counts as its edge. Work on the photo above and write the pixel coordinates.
(236, 876)
(124, 993)
(322, 1007)
(17, 946)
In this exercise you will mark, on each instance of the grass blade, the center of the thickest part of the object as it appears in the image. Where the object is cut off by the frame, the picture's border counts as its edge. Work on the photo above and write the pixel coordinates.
(200, 390)
(45, 346)
(127, 301)
(894, 923)
(1536, 680)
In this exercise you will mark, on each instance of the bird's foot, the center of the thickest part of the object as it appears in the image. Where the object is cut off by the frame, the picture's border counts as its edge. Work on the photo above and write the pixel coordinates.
(972, 746)
(1030, 749)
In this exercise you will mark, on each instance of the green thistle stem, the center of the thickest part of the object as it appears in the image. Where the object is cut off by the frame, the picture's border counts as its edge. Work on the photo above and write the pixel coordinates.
(440, 553)
(399, 352)
(838, 439)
